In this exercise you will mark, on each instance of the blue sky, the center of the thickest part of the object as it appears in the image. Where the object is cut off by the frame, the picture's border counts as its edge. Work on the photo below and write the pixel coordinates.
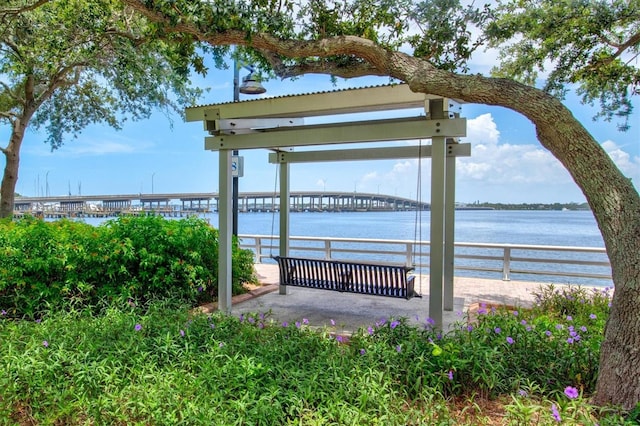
(507, 163)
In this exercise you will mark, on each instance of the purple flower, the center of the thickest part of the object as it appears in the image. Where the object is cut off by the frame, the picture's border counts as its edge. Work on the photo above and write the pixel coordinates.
(398, 348)
(509, 340)
(559, 326)
(200, 289)
(593, 316)
(482, 311)
(39, 320)
(548, 333)
(241, 317)
(370, 330)
(251, 320)
(523, 393)
(570, 340)
(430, 321)
(332, 322)
(362, 352)
(523, 322)
(469, 328)
(285, 324)
(45, 343)
(450, 375)
(305, 321)
(571, 392)
(340, 339)
(221, 344)
(260, 325)
(394, 324)
(297, 324)
(573, 334)
(138, 327)
(497, 330)
(555, 413)
(528, 328)
(583, 329)
(569, 318)
(515, 313)
(3, 312)
(182, 333)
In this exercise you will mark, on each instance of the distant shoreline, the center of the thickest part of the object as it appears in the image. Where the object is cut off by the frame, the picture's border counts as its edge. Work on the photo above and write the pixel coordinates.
(525, 206)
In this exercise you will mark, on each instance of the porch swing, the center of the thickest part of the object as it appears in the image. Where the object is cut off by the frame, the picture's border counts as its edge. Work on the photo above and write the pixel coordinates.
(361, 277)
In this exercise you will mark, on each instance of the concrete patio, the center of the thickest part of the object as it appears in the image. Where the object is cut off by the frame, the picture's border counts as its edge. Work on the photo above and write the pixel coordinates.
(350, 312)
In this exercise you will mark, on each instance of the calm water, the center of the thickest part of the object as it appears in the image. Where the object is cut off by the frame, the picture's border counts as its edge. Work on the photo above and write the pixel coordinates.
(567, 228)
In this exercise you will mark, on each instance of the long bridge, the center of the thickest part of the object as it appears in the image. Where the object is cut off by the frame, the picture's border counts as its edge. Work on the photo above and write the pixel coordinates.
(189, 203)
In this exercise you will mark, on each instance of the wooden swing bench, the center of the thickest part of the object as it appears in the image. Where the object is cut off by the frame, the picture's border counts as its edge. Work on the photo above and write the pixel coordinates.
(350, 277)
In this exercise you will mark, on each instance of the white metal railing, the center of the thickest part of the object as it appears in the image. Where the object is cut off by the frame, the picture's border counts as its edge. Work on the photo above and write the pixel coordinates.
(482, 259)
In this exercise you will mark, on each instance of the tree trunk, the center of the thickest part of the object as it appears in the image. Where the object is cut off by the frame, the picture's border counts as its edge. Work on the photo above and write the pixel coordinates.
(614, 201)
(10, 176)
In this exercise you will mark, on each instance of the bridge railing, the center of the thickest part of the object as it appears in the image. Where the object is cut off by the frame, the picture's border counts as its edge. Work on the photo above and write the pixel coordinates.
(564, 264)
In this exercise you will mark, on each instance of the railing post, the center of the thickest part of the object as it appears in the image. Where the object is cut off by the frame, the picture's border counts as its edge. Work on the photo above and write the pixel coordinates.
(327, 249)
(259, 248)
(410, 254)
(506, 264)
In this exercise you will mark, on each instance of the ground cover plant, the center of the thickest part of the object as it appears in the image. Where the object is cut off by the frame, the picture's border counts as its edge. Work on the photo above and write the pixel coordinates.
(158, 364)
(54, 265)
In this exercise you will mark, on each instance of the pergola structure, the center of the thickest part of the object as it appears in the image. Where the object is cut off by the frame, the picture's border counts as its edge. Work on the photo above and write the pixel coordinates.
(277, 124)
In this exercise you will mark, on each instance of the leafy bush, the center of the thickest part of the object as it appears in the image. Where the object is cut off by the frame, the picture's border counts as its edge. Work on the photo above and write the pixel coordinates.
(46, 265)
(500, 350)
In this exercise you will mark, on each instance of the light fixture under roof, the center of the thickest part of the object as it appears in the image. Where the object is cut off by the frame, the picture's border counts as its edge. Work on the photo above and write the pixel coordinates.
(251, 86)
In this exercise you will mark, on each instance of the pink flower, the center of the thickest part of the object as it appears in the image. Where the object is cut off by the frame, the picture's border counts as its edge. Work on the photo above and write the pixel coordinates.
(571, 392)
(555, 413)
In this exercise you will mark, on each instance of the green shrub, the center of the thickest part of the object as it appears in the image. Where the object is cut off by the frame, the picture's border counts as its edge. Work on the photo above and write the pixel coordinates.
(47, 265)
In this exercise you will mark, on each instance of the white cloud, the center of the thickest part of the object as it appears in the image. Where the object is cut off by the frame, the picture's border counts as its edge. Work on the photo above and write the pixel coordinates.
(483, 130)
(495, 162)
(99, 148)
(370, 176)
(402, 167)
(627, 164)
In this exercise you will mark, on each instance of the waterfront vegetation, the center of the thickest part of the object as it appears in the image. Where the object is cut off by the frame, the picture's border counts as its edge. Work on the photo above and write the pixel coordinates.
(46, 266)
(78, 348)
(161, 363)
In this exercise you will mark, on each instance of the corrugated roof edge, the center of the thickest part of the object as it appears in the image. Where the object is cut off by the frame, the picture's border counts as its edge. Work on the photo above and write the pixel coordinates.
(298, 94)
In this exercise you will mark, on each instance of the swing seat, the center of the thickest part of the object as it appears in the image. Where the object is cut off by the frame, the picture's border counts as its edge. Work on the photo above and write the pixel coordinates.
(351, 277)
